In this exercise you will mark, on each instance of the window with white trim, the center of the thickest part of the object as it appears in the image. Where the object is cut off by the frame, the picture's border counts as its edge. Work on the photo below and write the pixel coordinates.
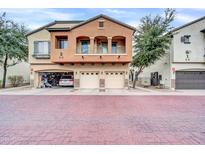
(41, 47)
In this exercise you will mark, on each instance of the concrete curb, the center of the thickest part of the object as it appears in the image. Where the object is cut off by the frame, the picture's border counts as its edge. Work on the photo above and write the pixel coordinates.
(145, 89)
(14, 88)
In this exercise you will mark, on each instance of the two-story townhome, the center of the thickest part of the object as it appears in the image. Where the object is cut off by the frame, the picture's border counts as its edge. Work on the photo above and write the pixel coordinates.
(188, 56)
(96, 52)
(183, 66)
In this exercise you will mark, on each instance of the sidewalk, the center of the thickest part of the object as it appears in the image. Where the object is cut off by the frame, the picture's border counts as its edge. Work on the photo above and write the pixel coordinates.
(27, 90)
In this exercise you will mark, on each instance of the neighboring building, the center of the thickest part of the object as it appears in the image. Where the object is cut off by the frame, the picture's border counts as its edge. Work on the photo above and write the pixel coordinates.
(96, 52)
(183, 66)
(21, 69)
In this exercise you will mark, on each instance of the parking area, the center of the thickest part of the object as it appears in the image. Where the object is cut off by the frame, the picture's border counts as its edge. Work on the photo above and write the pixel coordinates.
(104, 119)
(56, 79)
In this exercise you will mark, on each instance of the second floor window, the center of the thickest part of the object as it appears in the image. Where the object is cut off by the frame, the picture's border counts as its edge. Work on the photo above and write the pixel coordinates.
(41, 47)
(84, 47)
(62, 42)
(114, 47)
(104, 47)
(101, 24)
(186, 39)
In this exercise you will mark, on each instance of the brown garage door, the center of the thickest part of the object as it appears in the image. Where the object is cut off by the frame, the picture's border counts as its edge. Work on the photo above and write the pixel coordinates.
(190, 80)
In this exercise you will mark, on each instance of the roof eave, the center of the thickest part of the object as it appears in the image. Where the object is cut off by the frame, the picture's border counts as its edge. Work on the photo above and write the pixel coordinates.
(190, 23)
(41, 28)
(58, 29)
(51, 24)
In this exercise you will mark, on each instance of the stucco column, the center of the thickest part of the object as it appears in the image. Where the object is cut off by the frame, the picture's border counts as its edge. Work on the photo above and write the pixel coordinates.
(173, 77)
(109, 45)
(126, 80)
(36, 79)
(91, 45)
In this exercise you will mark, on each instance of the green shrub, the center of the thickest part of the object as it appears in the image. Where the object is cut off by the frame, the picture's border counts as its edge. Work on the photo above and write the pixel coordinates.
(16, 80)
(0, 83)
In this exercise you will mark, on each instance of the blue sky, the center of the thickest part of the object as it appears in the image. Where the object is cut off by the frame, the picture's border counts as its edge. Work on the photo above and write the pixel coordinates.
(34, 18)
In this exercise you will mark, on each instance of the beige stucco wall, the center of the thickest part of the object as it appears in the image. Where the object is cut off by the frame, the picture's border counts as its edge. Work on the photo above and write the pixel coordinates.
(196, 47)
(42, 35)
(161, 66)
(22, 69)
(76, 69)
(175, 58)
(92, 30)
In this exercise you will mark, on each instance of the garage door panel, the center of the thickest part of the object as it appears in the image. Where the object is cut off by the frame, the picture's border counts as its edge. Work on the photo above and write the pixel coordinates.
(89, 80)
(114, 80)
(190, 80)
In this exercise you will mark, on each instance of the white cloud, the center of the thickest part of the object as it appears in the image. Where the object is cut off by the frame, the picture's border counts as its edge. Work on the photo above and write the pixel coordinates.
(120, 12)
(41, 13)
(183, 18)
(35, 18)
(133, 23)
(116, 11)
(34, 26)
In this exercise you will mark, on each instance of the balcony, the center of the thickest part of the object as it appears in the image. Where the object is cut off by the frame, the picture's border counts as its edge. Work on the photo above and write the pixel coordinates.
(99, 49)
(100, 45)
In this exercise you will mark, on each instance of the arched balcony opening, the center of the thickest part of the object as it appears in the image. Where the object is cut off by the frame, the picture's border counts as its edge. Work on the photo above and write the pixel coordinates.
(100, 45)
(83, 45)
(118, 44)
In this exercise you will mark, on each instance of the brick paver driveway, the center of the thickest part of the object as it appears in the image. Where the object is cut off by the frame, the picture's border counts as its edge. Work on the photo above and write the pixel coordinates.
(102, 119)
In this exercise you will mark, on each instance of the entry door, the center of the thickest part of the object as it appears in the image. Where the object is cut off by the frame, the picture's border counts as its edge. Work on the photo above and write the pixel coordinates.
(89, 80)
(114, 80)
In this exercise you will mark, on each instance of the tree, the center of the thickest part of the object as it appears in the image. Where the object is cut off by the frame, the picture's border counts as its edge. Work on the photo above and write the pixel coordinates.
(151, 40)
(13, 44)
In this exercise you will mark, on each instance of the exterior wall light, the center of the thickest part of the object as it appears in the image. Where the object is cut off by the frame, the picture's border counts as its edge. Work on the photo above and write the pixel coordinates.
(61, 55)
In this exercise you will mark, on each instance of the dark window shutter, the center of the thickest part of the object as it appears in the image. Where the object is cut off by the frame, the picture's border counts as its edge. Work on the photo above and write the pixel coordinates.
(182, 39)
(35, 47)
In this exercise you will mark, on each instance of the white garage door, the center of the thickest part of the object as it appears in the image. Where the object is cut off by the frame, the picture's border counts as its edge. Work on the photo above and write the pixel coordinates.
(89, 80)
(114, 80)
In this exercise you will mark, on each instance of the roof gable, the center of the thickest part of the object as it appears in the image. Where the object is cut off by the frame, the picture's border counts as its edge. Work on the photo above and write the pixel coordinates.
(105, 17)
(78, 24)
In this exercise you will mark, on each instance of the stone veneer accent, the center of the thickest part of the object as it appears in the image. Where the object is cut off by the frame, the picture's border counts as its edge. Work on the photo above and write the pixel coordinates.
(102, 83)
(76, 83)
(126, 82)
